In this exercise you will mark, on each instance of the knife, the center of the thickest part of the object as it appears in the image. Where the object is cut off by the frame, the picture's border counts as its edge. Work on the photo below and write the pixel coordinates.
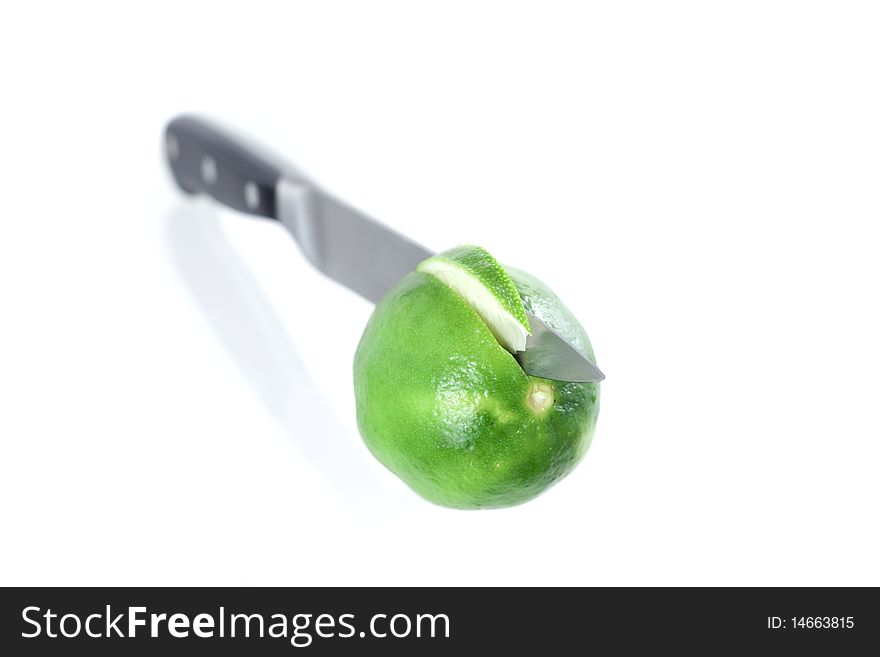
(340, 241)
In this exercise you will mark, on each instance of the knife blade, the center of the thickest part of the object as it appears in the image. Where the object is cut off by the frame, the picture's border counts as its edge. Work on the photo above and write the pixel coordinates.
(340, 241)
(550, 356)
(344, 243)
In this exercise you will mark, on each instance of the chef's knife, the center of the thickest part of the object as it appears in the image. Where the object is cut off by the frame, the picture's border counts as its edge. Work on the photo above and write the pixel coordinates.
(337, 239)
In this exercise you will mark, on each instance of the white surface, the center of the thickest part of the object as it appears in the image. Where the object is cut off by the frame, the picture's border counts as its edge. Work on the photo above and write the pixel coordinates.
(700, 184)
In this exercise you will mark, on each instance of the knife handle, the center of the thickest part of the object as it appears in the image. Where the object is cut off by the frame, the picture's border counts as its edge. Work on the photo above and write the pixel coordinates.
(206, 159)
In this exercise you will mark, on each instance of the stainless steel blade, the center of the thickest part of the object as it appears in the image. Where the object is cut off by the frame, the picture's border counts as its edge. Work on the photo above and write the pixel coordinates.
(344, 243)
(550, 356)
(369, 258)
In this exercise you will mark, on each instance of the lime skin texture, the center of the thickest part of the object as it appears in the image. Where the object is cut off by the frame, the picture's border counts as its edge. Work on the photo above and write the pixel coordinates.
(447, 409)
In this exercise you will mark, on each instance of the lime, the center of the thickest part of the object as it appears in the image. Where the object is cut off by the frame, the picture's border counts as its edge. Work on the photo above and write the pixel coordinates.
(442, 402)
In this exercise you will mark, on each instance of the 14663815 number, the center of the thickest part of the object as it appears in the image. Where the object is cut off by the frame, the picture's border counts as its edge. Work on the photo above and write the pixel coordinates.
(822, 622)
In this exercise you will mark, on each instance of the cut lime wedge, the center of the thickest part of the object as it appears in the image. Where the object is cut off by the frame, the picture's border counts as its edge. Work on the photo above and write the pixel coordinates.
(486, 286)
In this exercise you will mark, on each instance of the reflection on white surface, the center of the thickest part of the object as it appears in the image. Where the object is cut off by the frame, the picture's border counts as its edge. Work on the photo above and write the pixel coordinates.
(259, 344)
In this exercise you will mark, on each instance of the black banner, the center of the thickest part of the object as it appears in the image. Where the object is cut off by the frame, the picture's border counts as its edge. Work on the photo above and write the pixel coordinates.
(114, 621)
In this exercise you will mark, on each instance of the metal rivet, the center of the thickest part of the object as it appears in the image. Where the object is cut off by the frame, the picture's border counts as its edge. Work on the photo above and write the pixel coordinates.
(251, 195)
(209, 170)
(173, 147)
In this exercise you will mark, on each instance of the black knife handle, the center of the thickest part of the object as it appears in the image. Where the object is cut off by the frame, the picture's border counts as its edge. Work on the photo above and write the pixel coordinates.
(206, 159)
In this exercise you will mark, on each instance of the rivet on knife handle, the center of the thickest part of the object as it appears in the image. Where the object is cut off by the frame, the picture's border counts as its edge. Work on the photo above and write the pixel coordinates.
(206, 159)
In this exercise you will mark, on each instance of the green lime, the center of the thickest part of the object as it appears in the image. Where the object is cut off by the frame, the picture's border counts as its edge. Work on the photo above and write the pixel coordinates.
(443, 405)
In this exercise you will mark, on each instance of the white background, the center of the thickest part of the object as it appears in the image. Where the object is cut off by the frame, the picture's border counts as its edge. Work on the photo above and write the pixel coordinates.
(700, 182)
